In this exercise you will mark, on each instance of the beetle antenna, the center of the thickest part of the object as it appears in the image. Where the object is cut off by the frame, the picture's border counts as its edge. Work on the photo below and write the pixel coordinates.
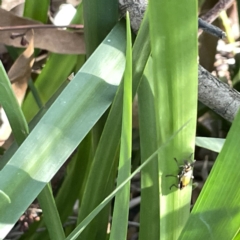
(176, 161)
(190, 156)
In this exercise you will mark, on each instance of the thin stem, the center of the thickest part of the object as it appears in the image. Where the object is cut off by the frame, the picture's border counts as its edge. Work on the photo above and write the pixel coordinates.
(37, 26)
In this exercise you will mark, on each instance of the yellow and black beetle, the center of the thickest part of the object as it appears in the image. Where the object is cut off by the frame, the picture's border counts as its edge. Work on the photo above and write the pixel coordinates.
(185, 175)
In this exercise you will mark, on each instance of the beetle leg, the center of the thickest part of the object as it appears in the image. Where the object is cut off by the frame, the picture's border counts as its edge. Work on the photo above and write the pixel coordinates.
(181, 175)
(176, 161)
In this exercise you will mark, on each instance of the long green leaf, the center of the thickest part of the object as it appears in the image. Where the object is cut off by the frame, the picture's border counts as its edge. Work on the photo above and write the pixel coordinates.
(121, 206)
(173, 34)
(18, 121)
(149, 175)
(61, 129)
(214, 144)
(51, 216)
(219, 200)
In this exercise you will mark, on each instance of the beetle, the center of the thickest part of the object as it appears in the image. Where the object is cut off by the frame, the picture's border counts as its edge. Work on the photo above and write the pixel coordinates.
(185, 175)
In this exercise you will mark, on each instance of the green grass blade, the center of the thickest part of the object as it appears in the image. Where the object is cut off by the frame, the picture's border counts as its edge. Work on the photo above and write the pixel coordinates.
(173, 34)
(141, 52)
(78, 17)
(99, 18)
(149, 208)
(61, 129)
(37, 10)
(34, 91)
(51, 216)
(12, 109)
(214, 144)
(216, 213)
(121, 205)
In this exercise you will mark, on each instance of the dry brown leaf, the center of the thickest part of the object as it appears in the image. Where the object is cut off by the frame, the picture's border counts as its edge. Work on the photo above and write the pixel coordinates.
(10, 4)
(19, 75)
(54, 40)
(20, 71)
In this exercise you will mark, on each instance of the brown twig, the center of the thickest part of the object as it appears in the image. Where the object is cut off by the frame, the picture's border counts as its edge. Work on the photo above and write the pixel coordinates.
(217, 95)
(213, 13)
(38, 26)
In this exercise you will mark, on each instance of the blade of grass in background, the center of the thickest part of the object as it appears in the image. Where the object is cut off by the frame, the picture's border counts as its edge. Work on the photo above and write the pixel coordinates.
(37, 10)
(55, 137)
(99, 19)
(121, 204)
(51, 215)
(173, 34)
(237, 237)
(149, 208)
(219, 199)
(214, 144)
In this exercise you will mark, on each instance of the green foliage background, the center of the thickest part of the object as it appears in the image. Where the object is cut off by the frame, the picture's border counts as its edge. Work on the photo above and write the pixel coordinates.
(89, 117)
